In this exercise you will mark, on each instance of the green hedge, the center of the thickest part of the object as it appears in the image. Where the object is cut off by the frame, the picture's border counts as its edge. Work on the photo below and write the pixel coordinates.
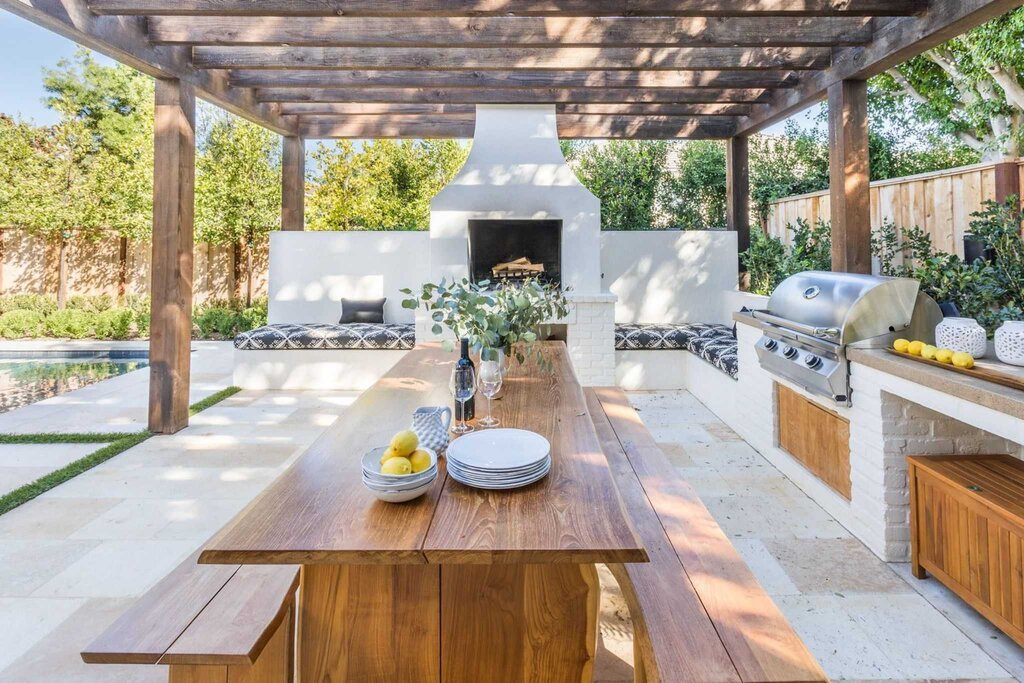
(24, 316)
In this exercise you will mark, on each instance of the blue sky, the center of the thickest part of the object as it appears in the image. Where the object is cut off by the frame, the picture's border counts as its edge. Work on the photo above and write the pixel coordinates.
(25, 49)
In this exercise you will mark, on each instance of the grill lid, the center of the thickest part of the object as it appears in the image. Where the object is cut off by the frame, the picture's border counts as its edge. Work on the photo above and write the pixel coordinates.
(859, 306)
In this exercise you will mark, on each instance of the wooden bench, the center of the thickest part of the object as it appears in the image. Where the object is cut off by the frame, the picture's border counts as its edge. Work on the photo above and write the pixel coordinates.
(209, 624)
(699, 614)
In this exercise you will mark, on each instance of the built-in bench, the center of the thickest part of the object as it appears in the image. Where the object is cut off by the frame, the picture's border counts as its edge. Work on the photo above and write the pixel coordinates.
(319, 356)
(641, 364)
(209, 623)
(699, 614)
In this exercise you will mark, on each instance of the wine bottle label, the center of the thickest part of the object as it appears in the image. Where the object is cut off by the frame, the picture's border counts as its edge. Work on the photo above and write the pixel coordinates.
(470, 410)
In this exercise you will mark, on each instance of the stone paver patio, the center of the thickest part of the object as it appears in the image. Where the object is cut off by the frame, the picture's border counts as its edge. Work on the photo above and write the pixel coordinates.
(73, 559)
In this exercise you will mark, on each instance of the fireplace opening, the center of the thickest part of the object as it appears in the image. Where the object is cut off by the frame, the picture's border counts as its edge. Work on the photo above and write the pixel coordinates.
(513, 250)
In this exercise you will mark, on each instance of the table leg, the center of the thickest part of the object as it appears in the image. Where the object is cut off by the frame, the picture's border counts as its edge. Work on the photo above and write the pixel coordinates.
(369, 623)
(517, 623)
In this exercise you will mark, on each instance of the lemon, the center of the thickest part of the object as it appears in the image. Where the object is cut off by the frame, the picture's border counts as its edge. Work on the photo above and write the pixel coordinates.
(914, 348)
(928, 352)
(396, 466)
(389, 453)
(901, 345)
(420, 460)
(944, 356)
(404, 443)
(963, 360)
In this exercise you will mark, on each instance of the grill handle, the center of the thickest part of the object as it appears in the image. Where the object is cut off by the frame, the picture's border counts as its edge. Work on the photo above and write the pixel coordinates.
(819, 332)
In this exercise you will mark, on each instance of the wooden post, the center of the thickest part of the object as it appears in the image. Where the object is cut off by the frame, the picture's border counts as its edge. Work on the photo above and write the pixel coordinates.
(170, 332)
(737, 190)
(293, 184)
(1007, 180)
(850, 176)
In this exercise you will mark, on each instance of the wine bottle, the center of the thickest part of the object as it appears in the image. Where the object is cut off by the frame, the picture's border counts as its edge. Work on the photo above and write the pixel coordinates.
(463, 362)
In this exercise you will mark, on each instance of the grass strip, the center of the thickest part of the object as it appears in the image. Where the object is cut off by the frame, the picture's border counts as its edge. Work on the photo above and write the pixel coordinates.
(213, 400)
(119, 443)
(22, 495)
(65, 438)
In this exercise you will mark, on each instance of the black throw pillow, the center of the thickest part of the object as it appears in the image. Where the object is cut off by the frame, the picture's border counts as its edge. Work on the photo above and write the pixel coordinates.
(362, 311)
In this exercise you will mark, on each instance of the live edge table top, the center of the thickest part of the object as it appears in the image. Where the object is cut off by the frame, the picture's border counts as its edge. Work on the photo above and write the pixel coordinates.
(319, 512)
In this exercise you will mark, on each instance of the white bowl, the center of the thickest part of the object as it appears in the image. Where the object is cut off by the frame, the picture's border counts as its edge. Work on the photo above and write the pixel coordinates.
(371, 468)
(401, 496)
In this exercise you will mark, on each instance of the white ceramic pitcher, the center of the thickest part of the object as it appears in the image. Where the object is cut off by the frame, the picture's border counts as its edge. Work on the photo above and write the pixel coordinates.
(431, 425)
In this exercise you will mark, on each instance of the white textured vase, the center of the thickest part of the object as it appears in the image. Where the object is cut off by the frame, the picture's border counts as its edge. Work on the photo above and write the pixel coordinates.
(1010, 342)
(962, 334)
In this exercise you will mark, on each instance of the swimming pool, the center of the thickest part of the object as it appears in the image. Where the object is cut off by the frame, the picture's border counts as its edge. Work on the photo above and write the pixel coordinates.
(30, 376)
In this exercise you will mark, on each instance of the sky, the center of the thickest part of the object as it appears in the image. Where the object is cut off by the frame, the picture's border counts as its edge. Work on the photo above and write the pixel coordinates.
(25, 49)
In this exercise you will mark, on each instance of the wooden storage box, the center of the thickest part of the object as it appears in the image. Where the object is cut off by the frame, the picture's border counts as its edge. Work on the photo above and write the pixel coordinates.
(967, 529)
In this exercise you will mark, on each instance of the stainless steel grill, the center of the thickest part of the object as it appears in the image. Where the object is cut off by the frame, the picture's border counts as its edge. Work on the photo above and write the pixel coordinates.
(813, 317)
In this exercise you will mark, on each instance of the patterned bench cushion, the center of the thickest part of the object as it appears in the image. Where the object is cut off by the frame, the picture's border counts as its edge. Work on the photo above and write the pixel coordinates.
(327, 337)
(714, 343)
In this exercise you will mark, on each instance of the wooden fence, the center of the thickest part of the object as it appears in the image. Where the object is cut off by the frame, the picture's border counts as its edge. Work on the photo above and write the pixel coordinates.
(941, 203)
(116, 266)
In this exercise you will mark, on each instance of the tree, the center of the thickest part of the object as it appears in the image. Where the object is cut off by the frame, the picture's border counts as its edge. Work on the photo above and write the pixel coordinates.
(238, 186)
(626, 176)
(969, 87)
(383, 185)
(694, 196)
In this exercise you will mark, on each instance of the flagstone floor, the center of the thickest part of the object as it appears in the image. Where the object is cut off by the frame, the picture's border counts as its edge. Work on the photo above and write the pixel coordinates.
(73, 559)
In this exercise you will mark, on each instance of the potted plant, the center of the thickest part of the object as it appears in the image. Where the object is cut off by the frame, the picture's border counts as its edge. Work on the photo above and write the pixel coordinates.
(499, 320)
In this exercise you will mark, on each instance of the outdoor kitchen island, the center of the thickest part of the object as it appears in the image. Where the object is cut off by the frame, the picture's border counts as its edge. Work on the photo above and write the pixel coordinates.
(899, 408)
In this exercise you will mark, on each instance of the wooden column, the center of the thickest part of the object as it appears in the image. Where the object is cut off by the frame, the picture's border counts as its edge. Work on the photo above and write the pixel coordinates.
(173, 210)
(850, 176)
(293, 184)
(1007, 180)
(737, 190)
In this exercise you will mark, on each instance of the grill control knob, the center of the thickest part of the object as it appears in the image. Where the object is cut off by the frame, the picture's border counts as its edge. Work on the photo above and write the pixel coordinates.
(790, 352)
(771, 344)
(813, 362)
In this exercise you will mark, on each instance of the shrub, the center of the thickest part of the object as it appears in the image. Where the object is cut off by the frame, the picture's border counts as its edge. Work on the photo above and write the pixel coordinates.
(40, 303)
(71, 323)
(769, 262)
(17, 324)
(91, 304)
(217, 322)
(115, 323)
(254, 316)
(140, 308)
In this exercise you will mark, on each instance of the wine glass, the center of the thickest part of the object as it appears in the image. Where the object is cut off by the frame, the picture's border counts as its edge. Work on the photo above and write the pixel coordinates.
(463, 386)
(490, 385)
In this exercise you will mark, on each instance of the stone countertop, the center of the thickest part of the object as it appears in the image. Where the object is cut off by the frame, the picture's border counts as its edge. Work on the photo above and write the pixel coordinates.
(974, 389)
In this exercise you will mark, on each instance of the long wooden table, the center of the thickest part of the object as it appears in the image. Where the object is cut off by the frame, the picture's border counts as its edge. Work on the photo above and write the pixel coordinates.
(461, 584)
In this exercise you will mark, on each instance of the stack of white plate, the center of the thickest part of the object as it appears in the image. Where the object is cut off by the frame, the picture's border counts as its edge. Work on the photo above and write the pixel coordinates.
(499, 458)
(397, 488)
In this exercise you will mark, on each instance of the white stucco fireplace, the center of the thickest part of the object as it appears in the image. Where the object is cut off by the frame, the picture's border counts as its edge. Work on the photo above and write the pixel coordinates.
(516, 172)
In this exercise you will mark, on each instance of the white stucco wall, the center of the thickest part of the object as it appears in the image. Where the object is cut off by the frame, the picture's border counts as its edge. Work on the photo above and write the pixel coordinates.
(516, 171)
(670, 276)
(310, 272)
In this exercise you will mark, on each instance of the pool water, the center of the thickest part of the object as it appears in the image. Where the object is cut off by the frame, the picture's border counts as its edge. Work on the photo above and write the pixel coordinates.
(26, 379)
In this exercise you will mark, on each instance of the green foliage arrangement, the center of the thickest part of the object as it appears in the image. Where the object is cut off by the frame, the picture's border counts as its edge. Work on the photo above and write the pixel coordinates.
(503, 317)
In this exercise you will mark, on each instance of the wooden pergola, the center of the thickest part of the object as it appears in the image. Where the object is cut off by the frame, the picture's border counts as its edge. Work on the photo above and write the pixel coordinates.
(638, 69)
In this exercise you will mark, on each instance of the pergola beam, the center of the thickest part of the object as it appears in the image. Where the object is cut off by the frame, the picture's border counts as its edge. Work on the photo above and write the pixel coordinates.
(585, 8)
(513, 31)
(440, 110)
(514, 96)
(898, 41)
(557, 58)
(312, 78)
(570, 126)
(124, 39)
